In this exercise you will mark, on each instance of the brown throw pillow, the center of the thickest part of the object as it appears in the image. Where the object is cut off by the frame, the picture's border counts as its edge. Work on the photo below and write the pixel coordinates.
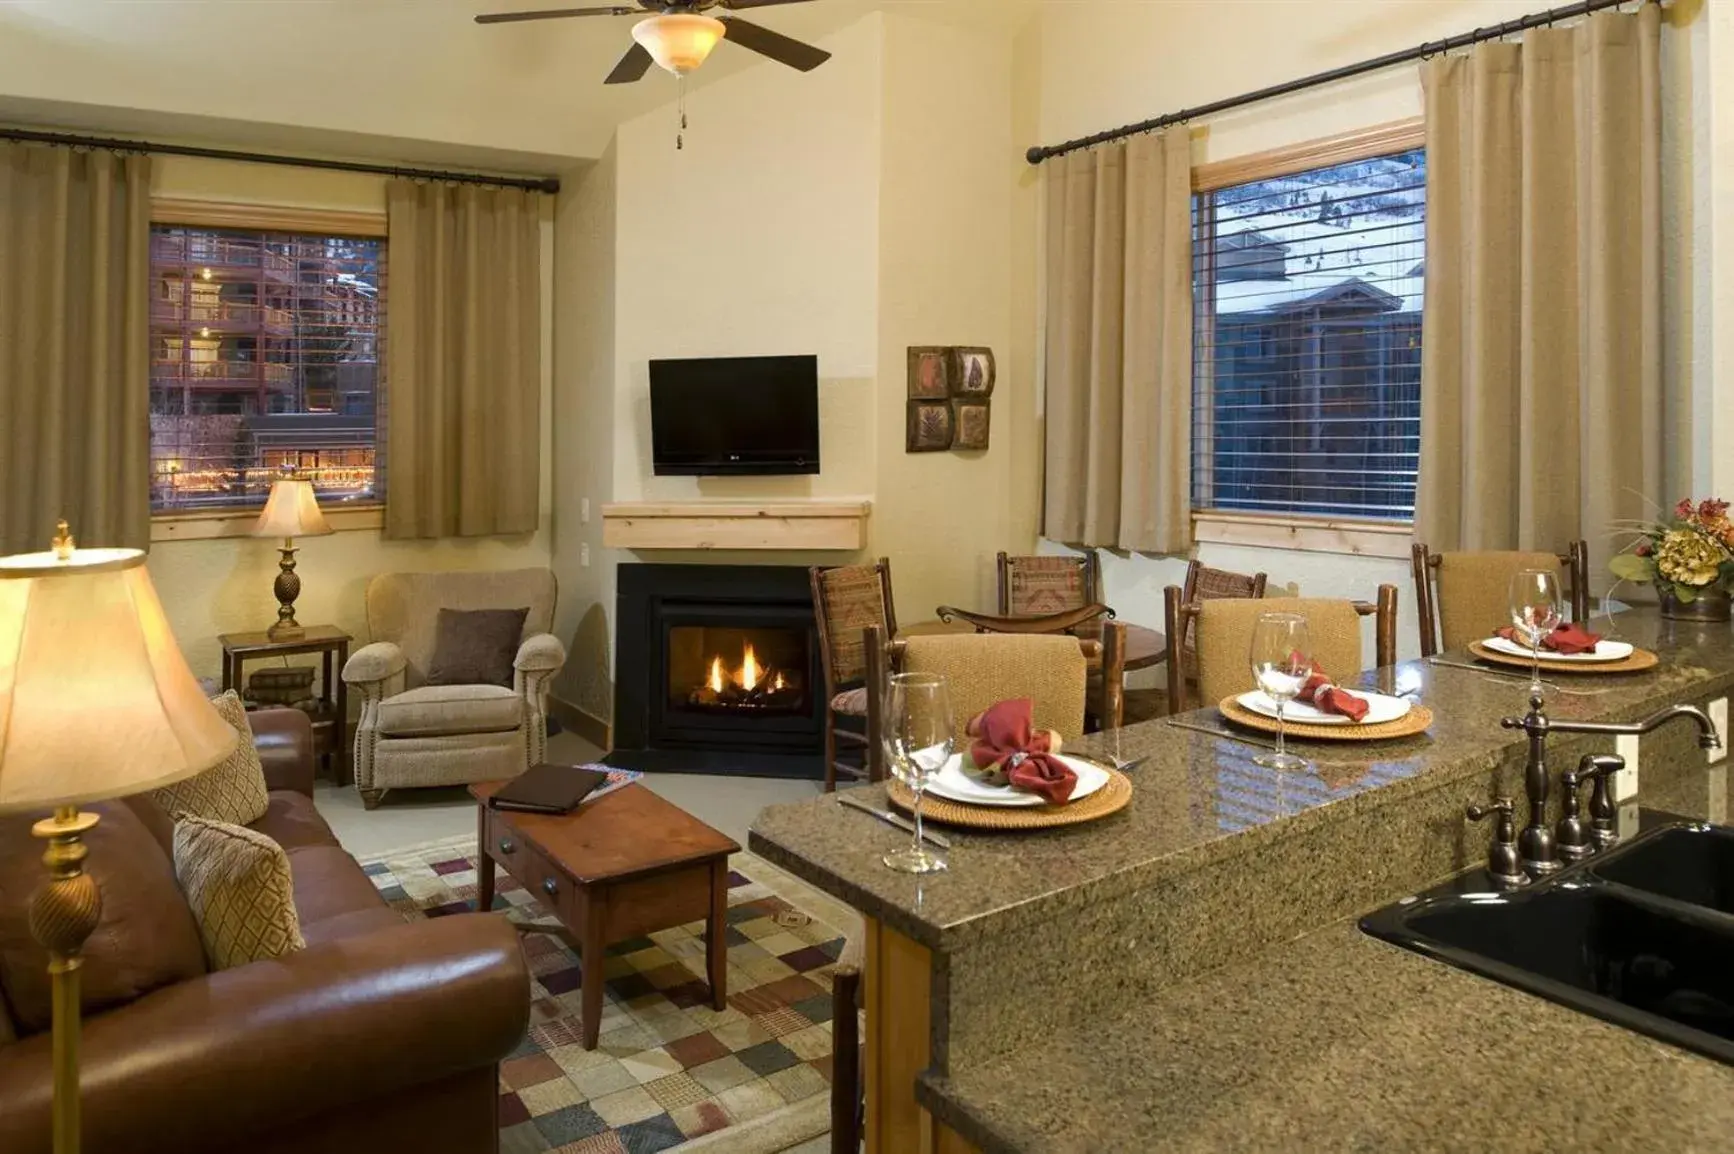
(239, 888)
(476, 646)
(146, 940)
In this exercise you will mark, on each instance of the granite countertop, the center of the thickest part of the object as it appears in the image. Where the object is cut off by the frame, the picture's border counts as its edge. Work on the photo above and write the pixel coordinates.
(1214, 801)
(1338, 1041)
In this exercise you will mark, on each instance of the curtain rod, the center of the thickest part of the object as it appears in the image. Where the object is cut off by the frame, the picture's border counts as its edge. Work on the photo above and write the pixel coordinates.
(547, 184)
(1420, 52)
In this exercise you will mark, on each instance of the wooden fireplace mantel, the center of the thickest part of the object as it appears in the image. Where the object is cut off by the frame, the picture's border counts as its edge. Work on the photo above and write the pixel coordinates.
(819, 524)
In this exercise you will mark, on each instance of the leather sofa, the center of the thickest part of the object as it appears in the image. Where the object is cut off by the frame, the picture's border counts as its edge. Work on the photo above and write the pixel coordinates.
(381, 1035)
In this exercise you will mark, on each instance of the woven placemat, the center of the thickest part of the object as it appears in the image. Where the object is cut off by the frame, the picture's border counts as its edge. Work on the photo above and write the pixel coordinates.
(1415, 721)
(1638, 662)
(1111, 798)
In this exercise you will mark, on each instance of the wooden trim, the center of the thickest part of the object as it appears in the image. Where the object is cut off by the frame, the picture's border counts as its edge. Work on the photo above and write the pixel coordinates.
(1305, 534)
(268, 217)
(210, 525)
(582, 722)
(1379, 140)
(817, 525)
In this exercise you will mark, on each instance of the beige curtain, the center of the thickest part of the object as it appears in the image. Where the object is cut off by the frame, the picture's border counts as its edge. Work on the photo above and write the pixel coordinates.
(463, 361)
(1119, 345)
(74, 346)
(1541, 395)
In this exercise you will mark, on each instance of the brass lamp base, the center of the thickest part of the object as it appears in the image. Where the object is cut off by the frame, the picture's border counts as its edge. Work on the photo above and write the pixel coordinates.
(287, 587)
(62, 915)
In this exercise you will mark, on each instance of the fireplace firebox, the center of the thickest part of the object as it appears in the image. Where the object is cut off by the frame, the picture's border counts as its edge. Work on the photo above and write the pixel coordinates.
(717, 670)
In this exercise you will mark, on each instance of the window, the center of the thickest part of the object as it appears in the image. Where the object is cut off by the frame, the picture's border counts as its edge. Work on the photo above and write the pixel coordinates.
(1307, 341)
(265, 351)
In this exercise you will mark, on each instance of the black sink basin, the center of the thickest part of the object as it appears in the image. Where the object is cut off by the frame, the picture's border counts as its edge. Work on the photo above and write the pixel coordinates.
(1693, 863)
(1644, 938)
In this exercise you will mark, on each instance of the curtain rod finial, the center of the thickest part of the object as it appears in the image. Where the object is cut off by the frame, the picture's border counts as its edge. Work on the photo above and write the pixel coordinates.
(1036, 155)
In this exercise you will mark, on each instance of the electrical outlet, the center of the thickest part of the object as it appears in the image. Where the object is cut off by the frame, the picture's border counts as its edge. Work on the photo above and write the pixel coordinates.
(584, 555)
(584, 510)
(1625, 783)
(1719, 715)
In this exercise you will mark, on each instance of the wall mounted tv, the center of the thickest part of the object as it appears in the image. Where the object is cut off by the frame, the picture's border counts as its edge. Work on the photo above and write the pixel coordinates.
(734, 416)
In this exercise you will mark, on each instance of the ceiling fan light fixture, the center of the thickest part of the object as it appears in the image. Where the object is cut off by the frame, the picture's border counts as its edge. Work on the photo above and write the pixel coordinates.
(677, 41)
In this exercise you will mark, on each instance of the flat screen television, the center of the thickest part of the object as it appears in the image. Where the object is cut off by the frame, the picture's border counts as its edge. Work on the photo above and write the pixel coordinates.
(734, 416)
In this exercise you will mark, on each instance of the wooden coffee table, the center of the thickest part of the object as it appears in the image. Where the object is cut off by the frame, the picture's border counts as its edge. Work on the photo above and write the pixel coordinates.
(619, 867)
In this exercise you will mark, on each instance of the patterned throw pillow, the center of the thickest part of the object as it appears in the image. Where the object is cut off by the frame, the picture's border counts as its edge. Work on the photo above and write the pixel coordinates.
(238, 886)
(234, 789)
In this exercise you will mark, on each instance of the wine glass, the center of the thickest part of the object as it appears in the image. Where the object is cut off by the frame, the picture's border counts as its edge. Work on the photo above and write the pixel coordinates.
(1535, 614)
(919, 738)
(1281, 664)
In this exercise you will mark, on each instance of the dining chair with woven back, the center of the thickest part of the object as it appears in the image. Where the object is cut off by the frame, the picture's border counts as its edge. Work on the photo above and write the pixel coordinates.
(1223, 630)
(1033, 586)
(1206, 583)
(984, 669)
(1462, 597)
(1085, 622)
(846, 600)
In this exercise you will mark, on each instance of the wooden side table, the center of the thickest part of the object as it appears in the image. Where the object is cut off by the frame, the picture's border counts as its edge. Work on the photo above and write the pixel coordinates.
(330, 724)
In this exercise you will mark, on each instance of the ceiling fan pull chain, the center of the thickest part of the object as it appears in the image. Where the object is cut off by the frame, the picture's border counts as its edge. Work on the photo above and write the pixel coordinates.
(680, 137)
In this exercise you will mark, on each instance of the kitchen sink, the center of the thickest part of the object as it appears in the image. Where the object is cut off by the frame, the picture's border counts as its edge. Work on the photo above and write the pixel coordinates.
(1687, 863)
(1641, 936)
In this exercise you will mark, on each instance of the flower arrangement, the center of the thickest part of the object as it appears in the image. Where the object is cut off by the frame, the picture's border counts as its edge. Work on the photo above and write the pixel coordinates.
(1687, 559)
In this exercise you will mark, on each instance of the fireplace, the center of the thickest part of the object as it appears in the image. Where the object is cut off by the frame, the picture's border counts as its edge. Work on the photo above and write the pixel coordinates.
(717, 670)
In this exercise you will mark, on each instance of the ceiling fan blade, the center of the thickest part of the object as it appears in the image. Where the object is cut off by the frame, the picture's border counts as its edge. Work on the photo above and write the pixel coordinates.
(632, 66)
(555, 14)
(738, 5)
(778, 47)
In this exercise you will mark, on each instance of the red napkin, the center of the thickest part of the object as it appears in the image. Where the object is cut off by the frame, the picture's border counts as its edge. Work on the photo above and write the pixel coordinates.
(1322, 693)
(1007, 744)
(1567, 637)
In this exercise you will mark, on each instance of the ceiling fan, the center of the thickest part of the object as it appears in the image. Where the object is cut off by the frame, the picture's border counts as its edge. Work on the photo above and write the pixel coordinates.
(678, 36)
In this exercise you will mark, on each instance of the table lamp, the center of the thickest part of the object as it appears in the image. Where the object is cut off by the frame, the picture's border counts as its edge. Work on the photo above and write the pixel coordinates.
(81, 628)
(291, 511)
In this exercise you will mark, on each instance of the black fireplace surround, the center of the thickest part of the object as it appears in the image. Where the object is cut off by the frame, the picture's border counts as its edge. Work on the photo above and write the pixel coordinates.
(717, 670)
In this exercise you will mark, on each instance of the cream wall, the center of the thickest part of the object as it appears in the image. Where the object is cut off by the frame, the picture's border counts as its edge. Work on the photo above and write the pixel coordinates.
(849, 213)
(584, 429)
(1106, 63)
(947, 187)
(222, 586)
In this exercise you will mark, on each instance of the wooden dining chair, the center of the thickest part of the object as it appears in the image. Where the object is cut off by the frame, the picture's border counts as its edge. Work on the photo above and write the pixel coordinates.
(1462, 597)
(1223, 629)
(1086, 622)
(1038, 585)
(984, 669)
(1205, 583)
(847, 599)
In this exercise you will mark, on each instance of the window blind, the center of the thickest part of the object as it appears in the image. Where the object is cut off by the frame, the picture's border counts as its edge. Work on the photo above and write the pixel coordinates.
(266, 350)
(1307, 341)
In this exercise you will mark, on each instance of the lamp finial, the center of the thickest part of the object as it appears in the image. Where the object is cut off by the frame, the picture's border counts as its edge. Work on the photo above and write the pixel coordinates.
(63, 542)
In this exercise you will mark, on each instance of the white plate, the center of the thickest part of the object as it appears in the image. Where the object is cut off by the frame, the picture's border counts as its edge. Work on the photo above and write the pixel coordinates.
(1604, 651)
(953, 784)
(1380, 708)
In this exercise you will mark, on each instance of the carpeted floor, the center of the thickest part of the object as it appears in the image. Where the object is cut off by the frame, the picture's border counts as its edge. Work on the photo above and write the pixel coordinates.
(668, 1069)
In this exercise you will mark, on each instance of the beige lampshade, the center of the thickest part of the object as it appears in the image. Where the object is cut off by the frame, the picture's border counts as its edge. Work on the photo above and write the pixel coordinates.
(95, 698)
(291, 511)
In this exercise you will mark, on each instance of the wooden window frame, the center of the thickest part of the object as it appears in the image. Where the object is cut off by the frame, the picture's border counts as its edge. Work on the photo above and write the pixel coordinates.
(1361, 538)
(209, 525)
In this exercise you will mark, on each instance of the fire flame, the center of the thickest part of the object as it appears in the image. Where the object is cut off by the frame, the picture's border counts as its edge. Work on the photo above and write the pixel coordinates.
(748, 676)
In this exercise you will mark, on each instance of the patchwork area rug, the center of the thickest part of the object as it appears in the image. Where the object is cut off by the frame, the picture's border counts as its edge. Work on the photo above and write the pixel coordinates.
(668, 1070)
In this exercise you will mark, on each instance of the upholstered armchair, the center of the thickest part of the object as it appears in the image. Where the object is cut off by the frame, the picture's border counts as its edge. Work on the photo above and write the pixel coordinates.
(412, 734)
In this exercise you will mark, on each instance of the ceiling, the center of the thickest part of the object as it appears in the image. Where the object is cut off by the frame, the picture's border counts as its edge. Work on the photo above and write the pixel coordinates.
(412, 80)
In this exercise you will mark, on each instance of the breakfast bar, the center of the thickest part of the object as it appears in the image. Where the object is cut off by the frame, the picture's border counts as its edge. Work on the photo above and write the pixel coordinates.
(1188, 974)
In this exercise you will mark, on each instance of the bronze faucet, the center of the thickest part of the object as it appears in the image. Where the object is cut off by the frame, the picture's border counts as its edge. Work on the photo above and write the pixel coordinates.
(1538, 846)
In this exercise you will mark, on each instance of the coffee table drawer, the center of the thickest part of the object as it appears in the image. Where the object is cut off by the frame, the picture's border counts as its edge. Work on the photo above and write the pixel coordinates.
(520, 859)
